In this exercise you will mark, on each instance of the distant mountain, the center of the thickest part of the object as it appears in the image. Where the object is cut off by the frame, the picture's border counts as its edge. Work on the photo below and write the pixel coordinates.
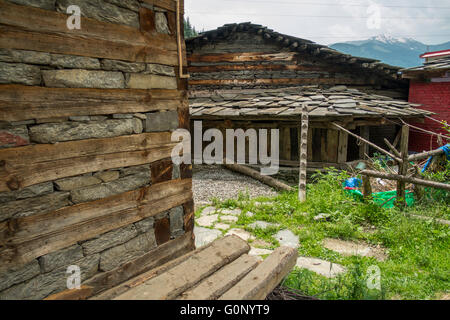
(402, 52)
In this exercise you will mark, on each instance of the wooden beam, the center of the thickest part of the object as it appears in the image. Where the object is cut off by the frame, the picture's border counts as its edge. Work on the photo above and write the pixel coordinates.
(18, 103)
(165, 4)
(256, 175)
(265, 278)
(242, 57)
(26, 166)
(24, 239)
(286, 81)
(425, 155)
(217, 284)
(396, 177)
(175, 281)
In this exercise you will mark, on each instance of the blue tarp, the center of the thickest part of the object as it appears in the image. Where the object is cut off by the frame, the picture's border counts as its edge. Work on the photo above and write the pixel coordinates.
(446, 149)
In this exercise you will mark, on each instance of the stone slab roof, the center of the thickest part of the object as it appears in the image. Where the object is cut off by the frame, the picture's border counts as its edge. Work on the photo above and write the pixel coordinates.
(433, 65)
(288, 102)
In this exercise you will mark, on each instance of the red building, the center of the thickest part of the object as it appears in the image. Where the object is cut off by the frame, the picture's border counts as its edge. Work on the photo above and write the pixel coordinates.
(430, 86)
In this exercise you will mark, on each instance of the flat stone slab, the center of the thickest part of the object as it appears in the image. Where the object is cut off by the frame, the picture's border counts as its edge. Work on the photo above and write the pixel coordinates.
(229, 218)
(207, 221)
(287, 238)
(259, 252)
(234, 212)
(244, 235)
(322, 267)
(208, 211)
(350, 248)
(204, 236)
(262, 225)
(222, 226)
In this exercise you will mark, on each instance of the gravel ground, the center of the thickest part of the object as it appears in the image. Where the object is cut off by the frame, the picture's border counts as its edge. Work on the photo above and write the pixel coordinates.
(216, 182)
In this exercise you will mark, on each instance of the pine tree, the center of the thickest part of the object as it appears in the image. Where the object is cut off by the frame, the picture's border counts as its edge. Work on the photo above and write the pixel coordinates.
(189, 30)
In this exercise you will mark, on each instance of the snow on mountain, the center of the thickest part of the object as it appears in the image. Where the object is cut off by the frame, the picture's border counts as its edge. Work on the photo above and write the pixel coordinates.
(402, 52)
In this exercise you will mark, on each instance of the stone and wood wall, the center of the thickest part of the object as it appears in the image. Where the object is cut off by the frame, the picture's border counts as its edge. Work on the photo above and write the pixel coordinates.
(85, 144)
(246, 55)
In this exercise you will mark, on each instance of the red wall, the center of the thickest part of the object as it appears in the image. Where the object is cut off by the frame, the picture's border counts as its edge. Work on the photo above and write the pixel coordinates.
(435, 97)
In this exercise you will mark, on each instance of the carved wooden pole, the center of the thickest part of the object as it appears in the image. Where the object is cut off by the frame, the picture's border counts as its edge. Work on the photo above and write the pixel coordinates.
(303, 154)
(403, 167)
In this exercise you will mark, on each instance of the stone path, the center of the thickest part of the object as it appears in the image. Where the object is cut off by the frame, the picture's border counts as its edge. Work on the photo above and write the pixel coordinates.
(350, 248)
(214, 223)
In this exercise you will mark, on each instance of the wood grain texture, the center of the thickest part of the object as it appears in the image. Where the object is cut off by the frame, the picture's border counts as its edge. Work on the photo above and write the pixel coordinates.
(302, 81)
(18, 103)
(173, 282)
(29, 165)
(263, 279)
(242, 57)
(170, 5)
(24, 239)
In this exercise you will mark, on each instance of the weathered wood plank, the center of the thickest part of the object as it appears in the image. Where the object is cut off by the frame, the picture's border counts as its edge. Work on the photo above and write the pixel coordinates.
(27, 238)
(46, 21)
(332, 145)
(214, 286)
(73, 294)
(18, 103)
(306, 81)
(264, 278)
(29, 165)
(170, 5)
(12, 38)
(176, 280)
(242, 57)
(342, 147)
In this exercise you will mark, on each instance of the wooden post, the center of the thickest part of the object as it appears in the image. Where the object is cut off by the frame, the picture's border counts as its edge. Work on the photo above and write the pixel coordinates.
(303, 155)
(342, 147)
(367, 187)
(364, 148)
(403, 167)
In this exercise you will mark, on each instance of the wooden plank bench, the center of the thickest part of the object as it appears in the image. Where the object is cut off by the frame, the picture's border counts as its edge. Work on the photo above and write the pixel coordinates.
(222, 270)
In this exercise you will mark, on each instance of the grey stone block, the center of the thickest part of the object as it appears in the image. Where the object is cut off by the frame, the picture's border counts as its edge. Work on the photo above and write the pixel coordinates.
(117, 65)
(19, 274)
(109, 189)
(109, 240)
(74, 183)
(74, 62)
(161, 23)
(32, 206)
(133, 249)
(123, 116)
(176, 172)
(52, 282)
(161, 121)
(80, 118)
(176, 221)
(60, 258)
(43, 4)
(69, 131)
(145, 169)
(29, 192)
(24, 56)
(78, 78)
(101, 10)
(160, 69)
(19, 73)
(14, 137)
(108, 176)
(127, 4)
(145, 225)
(150, 81)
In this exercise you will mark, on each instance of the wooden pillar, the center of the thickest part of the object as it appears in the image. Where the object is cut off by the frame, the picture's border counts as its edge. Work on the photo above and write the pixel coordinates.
(403, 167)
(367, 187)
(342, 147)
(303, 154)
(364, 148)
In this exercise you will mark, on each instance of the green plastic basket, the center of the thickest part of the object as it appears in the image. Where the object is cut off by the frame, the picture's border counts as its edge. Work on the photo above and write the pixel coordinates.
(381, 198)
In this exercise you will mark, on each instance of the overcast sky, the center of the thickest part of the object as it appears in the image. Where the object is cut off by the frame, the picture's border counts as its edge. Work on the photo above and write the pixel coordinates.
(330, 21)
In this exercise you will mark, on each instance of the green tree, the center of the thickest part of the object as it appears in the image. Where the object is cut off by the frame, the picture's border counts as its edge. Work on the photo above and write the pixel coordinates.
(189, 30)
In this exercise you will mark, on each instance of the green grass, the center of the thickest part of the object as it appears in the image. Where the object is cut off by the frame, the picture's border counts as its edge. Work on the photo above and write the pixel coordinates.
(418, 264)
